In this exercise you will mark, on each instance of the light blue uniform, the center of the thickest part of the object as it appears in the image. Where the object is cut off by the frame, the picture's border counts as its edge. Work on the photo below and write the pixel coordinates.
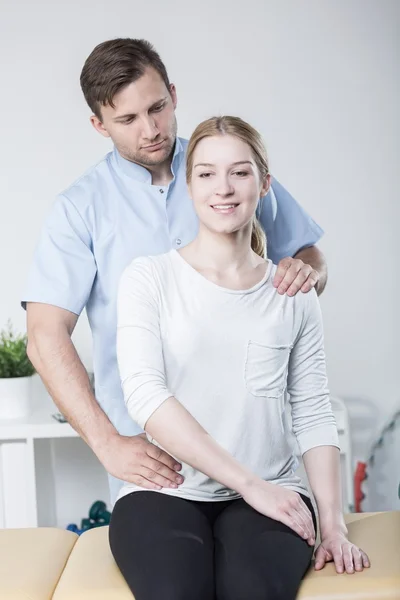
(113, 214)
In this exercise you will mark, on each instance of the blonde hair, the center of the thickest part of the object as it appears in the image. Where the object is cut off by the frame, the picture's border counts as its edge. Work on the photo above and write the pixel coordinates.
(236, 127)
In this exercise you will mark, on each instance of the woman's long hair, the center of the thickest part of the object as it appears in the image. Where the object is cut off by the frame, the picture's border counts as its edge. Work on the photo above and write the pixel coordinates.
(236, 127)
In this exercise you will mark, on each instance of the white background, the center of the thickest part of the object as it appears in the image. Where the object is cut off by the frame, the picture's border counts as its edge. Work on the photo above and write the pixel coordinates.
(319, 78)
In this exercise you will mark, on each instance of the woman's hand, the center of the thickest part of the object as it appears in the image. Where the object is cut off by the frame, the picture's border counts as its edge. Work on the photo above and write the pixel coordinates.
(283, 505)
(346, 556)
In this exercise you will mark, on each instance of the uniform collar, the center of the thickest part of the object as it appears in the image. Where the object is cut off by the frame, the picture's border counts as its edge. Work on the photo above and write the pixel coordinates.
(142, 174)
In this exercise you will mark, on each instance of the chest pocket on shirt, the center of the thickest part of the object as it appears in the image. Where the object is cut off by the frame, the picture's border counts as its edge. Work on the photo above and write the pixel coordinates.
(266, 369)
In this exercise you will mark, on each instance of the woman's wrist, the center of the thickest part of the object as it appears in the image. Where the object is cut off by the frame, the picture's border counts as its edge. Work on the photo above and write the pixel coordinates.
(332, 522)
(246, 481)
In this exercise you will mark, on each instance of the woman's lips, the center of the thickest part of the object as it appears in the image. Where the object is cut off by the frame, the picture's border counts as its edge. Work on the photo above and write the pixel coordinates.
(224, 209)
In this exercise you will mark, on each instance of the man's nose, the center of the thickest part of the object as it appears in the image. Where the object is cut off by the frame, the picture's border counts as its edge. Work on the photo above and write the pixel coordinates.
(150, 129)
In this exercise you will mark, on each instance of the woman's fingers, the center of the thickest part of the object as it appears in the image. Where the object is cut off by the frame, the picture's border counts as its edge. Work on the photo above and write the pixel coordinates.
(337, 555)
(306, 517)
(348, 558)
(293, 523)
(357, 558)
(365, 559)
(321, 557)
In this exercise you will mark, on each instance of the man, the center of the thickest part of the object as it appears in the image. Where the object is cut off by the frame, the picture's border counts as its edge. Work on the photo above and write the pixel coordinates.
(134, 202)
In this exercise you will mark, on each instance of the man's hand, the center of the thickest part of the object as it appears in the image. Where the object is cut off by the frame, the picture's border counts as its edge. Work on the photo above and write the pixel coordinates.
(293, 275)
(135, 460)
(346, 556)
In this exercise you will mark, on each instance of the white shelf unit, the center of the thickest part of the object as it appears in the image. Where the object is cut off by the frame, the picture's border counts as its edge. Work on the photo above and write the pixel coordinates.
(48, 475)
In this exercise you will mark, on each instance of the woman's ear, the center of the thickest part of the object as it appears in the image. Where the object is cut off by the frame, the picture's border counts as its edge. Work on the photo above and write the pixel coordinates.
(265, 185)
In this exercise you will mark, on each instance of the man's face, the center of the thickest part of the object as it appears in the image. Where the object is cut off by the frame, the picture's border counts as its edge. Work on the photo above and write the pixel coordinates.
(143, 124)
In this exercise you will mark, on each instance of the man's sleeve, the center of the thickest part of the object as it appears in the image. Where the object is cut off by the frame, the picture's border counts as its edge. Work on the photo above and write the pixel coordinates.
(287, 225)
(63, 268)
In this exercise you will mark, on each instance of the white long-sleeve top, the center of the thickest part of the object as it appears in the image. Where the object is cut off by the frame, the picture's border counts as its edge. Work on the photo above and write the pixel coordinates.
(229, 357)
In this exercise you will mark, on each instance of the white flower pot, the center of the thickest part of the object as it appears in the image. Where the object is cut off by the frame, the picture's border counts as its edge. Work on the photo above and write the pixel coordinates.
(15, 397)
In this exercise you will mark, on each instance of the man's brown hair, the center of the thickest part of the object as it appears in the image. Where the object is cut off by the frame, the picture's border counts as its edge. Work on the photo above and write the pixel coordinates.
(113, 65)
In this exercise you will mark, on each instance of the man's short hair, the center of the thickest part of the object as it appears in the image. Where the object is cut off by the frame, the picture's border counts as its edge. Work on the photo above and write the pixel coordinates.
(113, 65)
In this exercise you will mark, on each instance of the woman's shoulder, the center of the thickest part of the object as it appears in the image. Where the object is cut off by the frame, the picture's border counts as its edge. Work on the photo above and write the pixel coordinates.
(148, 269)
(302, 302)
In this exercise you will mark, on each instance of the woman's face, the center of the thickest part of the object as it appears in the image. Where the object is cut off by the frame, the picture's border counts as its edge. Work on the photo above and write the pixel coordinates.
(226, 185)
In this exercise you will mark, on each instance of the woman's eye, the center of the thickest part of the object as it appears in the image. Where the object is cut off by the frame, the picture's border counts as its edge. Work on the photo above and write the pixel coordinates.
(205, 175)
(241, 173)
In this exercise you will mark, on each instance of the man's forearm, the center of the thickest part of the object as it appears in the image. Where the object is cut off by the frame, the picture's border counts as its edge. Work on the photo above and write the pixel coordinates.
(176, 430)
(54, 356)
(313, 256)
(322, 465)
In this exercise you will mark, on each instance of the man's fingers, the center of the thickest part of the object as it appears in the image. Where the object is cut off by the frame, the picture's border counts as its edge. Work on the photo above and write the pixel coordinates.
(155, 477)
(283, 266)
(310, 282)
(290, 276)
(160, 473)
(143, 482)
(297, 284)
(163, 457)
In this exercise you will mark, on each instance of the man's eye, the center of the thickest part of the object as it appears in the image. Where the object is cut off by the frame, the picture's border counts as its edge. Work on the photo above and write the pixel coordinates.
(127, 121)
(158, 108)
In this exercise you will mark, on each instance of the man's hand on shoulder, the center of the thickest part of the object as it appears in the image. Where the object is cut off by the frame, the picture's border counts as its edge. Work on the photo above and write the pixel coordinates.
(305, 271)
(293, 275)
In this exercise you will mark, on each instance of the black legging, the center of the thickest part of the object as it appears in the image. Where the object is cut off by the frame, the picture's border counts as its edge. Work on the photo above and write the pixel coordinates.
(176, 549)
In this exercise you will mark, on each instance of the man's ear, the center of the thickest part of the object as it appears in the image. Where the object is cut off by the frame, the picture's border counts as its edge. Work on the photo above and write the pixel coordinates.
(98, 125)
(172, 91)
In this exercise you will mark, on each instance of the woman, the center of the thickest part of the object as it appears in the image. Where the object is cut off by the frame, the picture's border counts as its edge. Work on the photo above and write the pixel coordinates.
(207, 349)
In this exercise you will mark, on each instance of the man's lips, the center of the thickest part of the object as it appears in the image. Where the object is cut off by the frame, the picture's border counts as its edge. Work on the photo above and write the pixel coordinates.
(154, 146)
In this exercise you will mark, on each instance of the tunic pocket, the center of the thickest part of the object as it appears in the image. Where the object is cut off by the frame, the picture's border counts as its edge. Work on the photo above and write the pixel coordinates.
(266, 369)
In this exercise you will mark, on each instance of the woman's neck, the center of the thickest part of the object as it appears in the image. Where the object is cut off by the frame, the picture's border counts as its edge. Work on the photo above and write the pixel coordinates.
(221, 253)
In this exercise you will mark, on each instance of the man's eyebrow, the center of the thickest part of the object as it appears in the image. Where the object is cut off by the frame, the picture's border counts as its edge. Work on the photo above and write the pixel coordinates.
(132, 115)
(235, 164)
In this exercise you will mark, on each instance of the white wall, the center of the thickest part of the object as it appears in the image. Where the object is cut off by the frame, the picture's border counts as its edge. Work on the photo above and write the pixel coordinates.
(319, 78)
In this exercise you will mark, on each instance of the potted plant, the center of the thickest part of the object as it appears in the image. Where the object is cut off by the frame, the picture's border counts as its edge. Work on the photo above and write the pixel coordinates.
(16, 372)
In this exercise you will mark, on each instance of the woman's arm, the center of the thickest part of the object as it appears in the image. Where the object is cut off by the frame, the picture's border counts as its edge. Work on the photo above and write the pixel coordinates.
(322, 465)
(177, 431)
(315, 428)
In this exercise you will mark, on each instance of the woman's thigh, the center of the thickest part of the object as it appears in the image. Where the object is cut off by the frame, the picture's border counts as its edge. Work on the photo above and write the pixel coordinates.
(163, 546)
(257, 557)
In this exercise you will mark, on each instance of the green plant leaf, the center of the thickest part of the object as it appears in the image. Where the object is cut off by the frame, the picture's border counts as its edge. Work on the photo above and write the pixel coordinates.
(14, 361)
